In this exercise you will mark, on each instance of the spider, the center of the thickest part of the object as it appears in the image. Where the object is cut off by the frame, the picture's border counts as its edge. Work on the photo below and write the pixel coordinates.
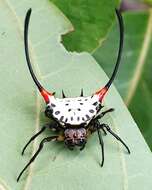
(73, 119)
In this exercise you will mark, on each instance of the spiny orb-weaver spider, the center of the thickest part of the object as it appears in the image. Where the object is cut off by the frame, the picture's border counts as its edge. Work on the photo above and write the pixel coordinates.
(74, 119)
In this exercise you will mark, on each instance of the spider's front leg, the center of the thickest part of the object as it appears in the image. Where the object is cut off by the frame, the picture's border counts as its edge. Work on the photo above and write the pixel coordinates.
(101, 115)
(47, 139)
(104, 113)
(51, 126)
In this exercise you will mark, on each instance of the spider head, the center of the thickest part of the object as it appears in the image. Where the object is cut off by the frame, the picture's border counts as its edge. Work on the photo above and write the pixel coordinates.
(75, 137)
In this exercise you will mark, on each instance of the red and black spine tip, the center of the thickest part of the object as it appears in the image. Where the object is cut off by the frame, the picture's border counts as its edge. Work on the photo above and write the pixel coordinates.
(43, 92)
(101, 93)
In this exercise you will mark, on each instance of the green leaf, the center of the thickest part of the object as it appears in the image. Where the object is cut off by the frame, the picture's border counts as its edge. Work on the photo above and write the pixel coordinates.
(134, 78)
(91, 22)
(131, 51)
(141, 89)
(22, 108)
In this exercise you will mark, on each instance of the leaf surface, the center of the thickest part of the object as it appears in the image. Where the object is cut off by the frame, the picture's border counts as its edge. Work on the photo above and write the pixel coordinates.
(91, 22)
(22, 108)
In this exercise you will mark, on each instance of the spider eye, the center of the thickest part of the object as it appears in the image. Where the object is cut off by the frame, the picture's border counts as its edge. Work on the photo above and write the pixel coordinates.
(48, 111)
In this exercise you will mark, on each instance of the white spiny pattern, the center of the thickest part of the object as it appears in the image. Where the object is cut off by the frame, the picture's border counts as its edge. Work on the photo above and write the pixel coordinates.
(74, 111)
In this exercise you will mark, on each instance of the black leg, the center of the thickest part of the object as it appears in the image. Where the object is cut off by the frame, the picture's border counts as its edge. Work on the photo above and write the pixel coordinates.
(37, 152)
(104, 131)
(32, 138)
(70, 147)
(105, 112)
(116, 136)
(101, 142)
(83, 146)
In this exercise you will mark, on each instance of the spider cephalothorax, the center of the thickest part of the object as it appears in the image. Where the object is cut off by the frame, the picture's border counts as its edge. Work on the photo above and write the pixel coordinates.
(74, 119)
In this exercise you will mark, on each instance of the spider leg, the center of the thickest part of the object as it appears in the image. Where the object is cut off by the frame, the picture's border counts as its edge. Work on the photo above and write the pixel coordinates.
(107, 111)
(101, 142)
(47, 139)
(115, 135)
(33, 137)
(104, 131)
(83, 146)
(103, 113)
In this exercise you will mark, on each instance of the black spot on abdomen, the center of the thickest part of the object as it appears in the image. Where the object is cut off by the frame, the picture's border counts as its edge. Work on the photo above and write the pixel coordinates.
(87, 116)
(61, 118)
(57, 112)
(91, 111)
(53, 105)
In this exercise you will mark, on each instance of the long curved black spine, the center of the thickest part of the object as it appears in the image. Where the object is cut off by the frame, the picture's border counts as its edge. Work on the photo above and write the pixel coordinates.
(26, 26)
(121, 28)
